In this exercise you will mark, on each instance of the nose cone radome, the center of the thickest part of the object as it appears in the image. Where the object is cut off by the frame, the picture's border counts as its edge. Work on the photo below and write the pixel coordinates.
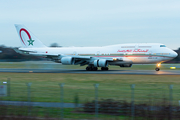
(174, 54)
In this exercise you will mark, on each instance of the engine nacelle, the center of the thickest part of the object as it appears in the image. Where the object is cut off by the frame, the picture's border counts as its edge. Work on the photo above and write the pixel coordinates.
(67, 61)
(125, 65)
(100, 63)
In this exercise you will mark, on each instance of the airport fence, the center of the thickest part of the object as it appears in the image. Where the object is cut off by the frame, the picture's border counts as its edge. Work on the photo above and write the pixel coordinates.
(89, 101)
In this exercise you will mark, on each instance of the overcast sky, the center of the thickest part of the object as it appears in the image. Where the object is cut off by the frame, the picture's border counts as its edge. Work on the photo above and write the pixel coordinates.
(92, 22)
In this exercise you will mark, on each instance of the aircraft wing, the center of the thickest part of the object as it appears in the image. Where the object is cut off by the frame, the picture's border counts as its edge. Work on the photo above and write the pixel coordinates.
(85, 60)
(82, 60)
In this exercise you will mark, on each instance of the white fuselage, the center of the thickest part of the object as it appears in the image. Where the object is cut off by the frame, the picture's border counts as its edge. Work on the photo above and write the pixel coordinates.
(123, 55)
(136, 53)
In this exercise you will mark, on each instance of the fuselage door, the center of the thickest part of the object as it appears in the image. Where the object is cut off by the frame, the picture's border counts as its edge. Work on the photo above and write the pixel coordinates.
(136, 46)
(150, 53)
(98, 53)
(74, 53)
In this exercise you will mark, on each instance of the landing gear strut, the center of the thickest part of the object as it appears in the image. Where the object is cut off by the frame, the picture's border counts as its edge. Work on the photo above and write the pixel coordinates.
(158, 67)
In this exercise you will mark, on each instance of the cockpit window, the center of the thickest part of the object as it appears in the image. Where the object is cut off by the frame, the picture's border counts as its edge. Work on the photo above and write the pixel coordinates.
(162, 46)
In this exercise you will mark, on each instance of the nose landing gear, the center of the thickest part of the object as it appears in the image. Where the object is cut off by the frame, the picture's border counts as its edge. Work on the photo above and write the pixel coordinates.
(158, 67)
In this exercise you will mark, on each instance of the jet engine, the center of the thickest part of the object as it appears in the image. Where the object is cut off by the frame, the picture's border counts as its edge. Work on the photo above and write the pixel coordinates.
(100, 63)
(67, 60)
(125, 65)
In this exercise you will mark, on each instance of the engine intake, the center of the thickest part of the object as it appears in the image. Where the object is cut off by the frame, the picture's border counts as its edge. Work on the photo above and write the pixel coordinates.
(67, 61)
(125, 65)
(100, 63)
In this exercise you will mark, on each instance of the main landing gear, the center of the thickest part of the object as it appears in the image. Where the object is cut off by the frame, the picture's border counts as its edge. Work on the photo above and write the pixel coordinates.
(91, 68)
(158, 67)
(88, 68)
(104, 68)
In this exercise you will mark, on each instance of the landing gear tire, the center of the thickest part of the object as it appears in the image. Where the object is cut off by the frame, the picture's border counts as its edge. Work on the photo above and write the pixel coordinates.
(87, 68)
(157, 69)
(91, 68)
(94, 68)
(104, 68)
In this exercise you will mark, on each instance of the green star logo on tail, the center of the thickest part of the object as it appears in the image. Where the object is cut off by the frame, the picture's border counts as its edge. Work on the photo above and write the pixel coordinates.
(31, 42)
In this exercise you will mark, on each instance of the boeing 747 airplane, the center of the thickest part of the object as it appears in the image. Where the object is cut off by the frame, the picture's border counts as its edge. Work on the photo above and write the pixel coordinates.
(123, 55)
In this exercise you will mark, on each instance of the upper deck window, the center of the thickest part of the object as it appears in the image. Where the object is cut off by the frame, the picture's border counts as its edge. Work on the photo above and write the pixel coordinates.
(144, 46)
(162, 46)
(127, 46)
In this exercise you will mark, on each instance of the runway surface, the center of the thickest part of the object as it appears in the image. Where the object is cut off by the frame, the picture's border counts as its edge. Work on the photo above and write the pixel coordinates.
(82, 71)
(39, 104)
(64, 105)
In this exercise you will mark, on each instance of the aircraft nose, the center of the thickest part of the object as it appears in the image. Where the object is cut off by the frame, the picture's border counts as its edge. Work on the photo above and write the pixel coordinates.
(174, 54)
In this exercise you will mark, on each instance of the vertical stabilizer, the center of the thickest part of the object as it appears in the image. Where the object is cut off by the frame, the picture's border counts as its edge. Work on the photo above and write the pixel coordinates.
(27, 38)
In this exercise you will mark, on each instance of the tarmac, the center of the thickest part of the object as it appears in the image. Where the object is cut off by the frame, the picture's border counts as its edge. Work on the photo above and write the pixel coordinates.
(68, 105)
(82, 71)
(40, 104)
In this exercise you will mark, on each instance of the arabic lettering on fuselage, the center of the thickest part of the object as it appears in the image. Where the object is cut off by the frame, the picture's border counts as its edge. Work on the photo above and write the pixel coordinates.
(130, 50)
(124, 51)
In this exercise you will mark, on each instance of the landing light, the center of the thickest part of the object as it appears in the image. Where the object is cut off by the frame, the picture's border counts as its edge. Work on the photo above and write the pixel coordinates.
(159, 64)
(114, 59)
